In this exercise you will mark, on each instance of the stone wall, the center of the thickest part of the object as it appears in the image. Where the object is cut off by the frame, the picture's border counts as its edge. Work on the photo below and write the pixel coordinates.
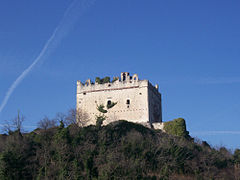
(155, 105)
(137, 100)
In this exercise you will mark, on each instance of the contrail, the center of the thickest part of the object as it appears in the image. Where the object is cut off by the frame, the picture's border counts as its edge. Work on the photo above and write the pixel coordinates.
(76, 8)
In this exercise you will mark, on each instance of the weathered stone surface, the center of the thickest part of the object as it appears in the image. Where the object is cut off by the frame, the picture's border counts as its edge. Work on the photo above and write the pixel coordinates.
(158, 125)
(137, 100)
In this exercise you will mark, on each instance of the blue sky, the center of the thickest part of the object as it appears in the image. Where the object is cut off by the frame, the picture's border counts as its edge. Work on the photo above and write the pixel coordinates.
(190, 48)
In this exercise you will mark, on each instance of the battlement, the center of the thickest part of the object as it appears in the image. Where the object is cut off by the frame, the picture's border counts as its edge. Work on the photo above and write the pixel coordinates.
(125, 78)
(124, 82)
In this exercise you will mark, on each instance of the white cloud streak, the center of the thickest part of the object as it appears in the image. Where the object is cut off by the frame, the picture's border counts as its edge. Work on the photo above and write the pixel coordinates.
(76, 8)
(213, 133)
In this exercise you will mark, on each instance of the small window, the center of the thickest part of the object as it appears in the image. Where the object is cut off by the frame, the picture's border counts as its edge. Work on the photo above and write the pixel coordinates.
(124, 76)
(140, 93)
(84, 93)
(128, 101)
(109, 103)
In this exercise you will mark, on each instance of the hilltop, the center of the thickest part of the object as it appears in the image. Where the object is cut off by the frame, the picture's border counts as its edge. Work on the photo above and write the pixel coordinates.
(120, 150)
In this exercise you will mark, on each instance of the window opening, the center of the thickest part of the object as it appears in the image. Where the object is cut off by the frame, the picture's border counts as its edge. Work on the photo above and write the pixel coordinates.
(128, 101)
(124, 76)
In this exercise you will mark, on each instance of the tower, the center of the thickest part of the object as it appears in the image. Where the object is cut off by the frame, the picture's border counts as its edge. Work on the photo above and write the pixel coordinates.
(136, 100)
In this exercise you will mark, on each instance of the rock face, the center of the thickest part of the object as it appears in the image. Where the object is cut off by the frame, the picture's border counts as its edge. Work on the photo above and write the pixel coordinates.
(135, 100)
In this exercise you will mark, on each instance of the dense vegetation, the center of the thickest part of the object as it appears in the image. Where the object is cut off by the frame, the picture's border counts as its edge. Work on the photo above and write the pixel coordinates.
(121, 150)
(176, 127)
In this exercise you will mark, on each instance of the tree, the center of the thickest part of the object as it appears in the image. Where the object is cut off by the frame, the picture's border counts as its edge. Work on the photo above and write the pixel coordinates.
(76, 117)
(101, 117)
(176, 127)
(236, 156)
(60, 117)
(47, 123)
(17, 122)
(15, 125)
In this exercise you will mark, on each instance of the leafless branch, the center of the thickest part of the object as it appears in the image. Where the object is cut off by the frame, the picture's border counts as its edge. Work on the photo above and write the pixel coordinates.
(47, 123)
(76, 117)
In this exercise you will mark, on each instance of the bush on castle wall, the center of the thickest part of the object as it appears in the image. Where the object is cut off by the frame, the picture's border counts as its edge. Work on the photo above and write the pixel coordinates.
(103, 80)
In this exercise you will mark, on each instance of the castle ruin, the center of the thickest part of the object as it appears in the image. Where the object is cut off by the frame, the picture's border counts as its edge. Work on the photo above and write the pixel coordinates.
(135, 100)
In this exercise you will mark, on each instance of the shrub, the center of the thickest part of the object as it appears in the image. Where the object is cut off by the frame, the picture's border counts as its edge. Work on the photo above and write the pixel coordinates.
(106, 80)
(98, 80)
(176, 127)
(236, 156)
(101, 109)
(100, 120)
(103, 80)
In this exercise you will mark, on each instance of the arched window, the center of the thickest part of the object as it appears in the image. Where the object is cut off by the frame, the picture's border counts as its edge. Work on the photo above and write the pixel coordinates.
(109, 103)
(135, 77)
(128, 101)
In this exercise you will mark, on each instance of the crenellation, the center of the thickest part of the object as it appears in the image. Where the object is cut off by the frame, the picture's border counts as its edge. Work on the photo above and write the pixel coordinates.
(127, 81)
(88, 82)
(109, 86)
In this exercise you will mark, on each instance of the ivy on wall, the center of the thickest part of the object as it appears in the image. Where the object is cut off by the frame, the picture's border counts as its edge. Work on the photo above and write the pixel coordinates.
(176, 127)
(101, 109)
(109, 106)
(101, 117)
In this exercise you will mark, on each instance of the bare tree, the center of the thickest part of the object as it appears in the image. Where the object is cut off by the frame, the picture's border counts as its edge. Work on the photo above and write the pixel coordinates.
(47, 123)
(71, 117)
(18, 121)
(76, 117)
(14, 125)
(7, 127)
(60, 117)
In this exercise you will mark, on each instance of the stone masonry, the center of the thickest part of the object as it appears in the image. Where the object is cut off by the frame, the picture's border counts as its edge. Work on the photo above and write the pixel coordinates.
(136, 100)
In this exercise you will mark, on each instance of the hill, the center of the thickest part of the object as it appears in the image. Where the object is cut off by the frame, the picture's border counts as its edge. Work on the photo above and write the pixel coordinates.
(120, 150)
